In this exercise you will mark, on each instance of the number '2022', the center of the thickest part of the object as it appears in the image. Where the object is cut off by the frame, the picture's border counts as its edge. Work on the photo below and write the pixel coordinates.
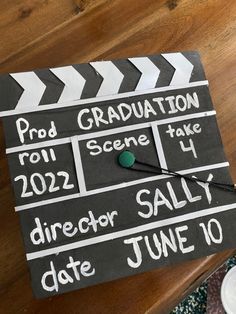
(39, 184)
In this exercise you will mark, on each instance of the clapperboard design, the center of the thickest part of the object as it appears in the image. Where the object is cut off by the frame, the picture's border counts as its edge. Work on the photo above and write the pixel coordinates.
(84, 218)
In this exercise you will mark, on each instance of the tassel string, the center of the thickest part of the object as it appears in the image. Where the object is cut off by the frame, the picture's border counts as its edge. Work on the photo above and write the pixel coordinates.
(158, 170)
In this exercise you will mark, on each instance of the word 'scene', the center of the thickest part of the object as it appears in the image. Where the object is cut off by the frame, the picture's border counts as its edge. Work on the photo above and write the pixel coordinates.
(109, 146)
(96, 116)
(74, 271)
(171, 202)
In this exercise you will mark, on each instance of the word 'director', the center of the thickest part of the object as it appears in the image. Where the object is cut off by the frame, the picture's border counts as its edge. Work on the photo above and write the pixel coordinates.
(85, 219)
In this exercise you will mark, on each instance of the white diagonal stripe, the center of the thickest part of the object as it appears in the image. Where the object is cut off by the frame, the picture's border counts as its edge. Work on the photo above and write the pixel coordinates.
(150, 72)
(112, 77)
(33, 89)
(103, 98)
(183, 68)
(73, 80)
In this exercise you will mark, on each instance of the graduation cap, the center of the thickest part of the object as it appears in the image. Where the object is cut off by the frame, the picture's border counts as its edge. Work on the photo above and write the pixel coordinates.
(117, 167)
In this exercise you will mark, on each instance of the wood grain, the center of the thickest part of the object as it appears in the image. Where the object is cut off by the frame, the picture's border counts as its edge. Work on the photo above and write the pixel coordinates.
(51, 33)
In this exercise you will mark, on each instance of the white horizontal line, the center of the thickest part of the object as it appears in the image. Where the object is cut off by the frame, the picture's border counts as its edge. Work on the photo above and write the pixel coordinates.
(119, 186)
(187, 117)
(25, 147)
(128, 128)
(131, 231)
(97, 99)
(47, 202)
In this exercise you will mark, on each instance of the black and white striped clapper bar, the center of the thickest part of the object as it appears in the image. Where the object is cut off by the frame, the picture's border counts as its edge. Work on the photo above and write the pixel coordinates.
(86, 220)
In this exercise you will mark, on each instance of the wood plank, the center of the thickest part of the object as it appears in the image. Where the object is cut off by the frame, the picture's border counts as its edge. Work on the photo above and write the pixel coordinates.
(23, 22)
(86, 36)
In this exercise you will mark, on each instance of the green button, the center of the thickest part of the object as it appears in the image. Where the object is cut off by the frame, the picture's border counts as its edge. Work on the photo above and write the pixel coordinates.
(126, 159)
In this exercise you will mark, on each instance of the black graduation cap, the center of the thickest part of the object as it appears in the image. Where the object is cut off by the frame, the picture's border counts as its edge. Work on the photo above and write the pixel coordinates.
(85, 219)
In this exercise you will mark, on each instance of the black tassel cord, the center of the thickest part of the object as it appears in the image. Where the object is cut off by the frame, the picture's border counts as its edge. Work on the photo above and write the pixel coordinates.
(159, 170)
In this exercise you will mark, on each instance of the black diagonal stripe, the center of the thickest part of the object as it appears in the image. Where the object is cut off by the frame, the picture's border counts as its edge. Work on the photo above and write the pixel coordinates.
(54, 87)
(10, 92)
(166, 70)
(93, 80)
(198, 73)
(131, 75)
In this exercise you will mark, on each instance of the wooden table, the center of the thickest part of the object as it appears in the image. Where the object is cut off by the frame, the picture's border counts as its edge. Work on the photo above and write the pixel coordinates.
(46, 33)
